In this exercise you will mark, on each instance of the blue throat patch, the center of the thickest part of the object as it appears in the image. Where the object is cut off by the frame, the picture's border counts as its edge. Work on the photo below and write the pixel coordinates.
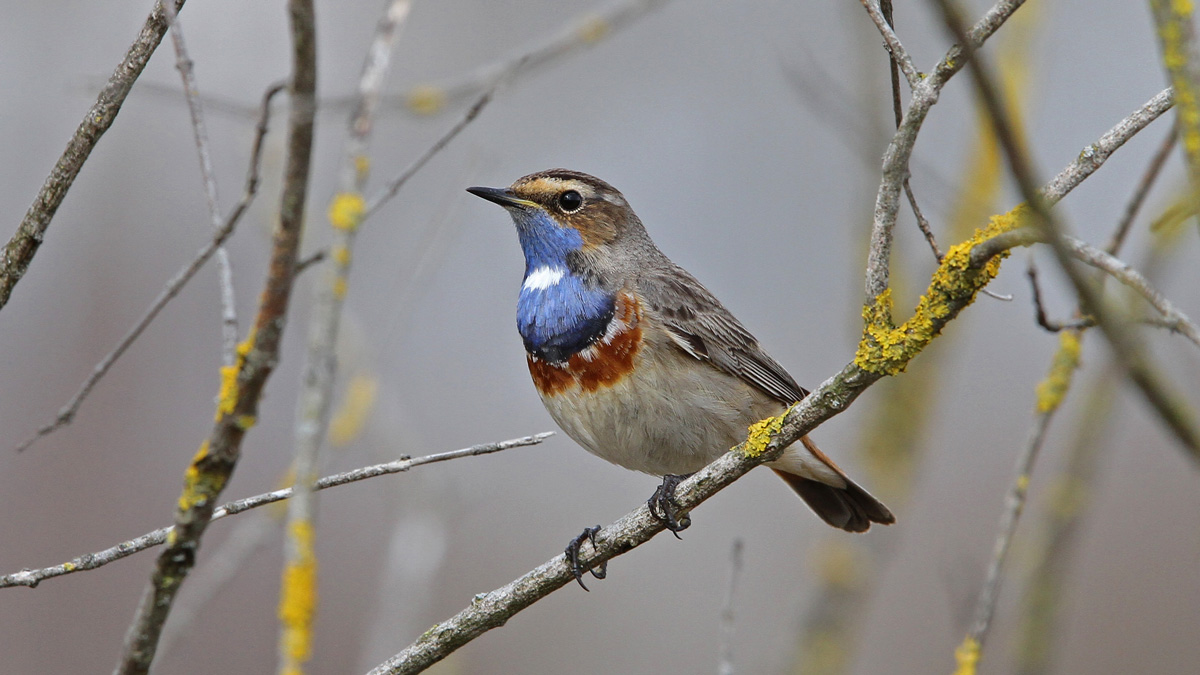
(566, 317)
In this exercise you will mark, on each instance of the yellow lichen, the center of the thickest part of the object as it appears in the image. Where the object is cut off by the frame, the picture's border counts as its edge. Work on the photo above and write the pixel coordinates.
(840, 564)
(967, 656)
(340, 288)
(346, 210)
(341, 255)
(348, 422)
(200, 483)
(426, 99)
(1052, 390)
(362, 168)
(759, 434)
(887, 349)
(298, 597)
(593, 29)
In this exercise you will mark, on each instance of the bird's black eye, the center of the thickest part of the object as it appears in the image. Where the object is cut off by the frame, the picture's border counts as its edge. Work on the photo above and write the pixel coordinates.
(570, 201)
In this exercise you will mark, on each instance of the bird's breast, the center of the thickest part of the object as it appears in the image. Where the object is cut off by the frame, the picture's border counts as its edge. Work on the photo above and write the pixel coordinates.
(603, 363)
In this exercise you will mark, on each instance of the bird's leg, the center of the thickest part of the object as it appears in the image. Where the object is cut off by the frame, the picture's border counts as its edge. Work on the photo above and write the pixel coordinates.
(572, 553)
(663, 506)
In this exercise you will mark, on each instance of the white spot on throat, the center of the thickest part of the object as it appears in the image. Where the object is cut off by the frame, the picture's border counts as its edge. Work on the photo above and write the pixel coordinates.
(543, 277)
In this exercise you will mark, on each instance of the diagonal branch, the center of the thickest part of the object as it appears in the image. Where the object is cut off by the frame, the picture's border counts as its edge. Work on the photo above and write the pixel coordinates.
(183, 63)
(19, 252)
(90, 561)
(67, 413)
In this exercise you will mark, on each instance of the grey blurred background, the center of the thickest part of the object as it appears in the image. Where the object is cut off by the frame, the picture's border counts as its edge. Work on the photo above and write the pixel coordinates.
(746, 135)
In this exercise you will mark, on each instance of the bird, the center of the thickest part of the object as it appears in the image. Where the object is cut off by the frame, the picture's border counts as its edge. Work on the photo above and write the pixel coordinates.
(638, 362)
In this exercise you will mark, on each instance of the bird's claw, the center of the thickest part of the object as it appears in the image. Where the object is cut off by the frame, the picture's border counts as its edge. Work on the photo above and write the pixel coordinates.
(663, 506)
(572, 553)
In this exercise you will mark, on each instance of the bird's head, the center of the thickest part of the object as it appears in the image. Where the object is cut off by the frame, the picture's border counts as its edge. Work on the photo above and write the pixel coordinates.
(558, 212)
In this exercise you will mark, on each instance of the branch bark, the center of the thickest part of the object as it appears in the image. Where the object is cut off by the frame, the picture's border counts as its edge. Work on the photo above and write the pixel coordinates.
(19, 252)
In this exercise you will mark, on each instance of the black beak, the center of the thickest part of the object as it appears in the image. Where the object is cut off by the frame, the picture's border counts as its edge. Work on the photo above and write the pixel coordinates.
(502, 196)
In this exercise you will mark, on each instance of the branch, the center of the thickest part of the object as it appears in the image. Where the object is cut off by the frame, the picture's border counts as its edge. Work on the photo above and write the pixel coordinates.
(1177, 40)
(19, 252)
(90, 561)
(67, 413)
(242, 383)
(1050, 393)
(298, 592)
(899, 150)
(183, 63)
(900, 55)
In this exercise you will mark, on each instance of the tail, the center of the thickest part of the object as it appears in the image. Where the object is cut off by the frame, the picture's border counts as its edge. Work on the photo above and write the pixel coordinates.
(828, 491)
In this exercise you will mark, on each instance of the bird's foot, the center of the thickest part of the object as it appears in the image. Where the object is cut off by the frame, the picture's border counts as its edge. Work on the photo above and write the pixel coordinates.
(663, 506)
(572, 553)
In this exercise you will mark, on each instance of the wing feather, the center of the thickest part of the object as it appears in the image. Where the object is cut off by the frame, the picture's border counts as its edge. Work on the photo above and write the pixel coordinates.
(701, 326)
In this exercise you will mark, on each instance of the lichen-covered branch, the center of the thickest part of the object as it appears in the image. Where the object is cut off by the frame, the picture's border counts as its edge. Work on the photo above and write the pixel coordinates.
(298, 587)
(19, 251)
(1177, 39)
(242, 383)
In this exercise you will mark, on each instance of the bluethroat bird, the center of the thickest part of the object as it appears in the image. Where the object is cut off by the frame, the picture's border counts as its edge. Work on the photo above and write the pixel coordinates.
(638, 362)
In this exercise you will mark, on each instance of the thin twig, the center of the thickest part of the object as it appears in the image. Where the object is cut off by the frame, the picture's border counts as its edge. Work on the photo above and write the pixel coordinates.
(298, 586)
(882, 16)
(1143, 190)
(393, 186)
(183, 63)
(242, 383)
(90, 561)
(19, 251)
(885, 9)
(67, 413)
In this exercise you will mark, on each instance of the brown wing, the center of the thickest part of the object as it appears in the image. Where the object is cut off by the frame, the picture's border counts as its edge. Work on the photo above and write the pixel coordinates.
(702, 327)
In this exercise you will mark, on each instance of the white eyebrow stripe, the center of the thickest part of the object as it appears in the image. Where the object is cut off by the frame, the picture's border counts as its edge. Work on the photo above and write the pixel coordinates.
(543, 277)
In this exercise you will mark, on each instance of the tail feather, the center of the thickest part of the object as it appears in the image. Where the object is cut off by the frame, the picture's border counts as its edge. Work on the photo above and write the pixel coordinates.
(829, 492)
(851, 508)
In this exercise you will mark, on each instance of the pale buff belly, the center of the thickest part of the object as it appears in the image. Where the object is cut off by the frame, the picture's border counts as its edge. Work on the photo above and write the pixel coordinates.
(668, 415)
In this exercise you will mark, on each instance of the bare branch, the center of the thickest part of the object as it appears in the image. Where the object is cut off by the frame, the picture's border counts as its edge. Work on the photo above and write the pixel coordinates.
(90, 561)
(19, 251)
(242, 383)
(394, 185)
(899, 55)
(183, 63)
(1050, 394)
(67, 413)
(1142, 191)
